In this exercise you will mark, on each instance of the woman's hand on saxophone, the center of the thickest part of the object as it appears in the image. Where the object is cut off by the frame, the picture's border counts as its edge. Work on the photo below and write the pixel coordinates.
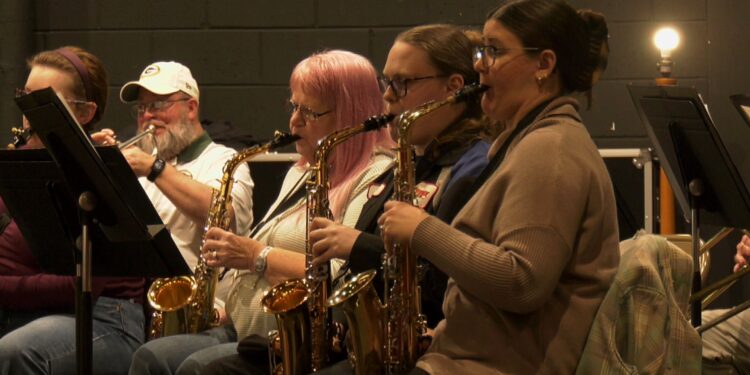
(331, 240)
(399, 221)
(226, 249)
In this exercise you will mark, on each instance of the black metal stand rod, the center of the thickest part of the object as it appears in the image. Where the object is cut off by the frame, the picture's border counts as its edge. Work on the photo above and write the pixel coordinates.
(84, 334)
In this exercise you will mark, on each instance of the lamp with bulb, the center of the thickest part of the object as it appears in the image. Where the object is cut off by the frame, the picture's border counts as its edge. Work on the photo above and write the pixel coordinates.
(666, 40)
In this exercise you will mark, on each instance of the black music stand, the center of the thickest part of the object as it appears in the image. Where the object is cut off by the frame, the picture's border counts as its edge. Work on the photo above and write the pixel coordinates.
(71, 190)
(706, 181)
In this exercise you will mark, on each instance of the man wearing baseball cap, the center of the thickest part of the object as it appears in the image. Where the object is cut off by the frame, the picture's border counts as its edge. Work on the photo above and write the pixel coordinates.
(180, 165)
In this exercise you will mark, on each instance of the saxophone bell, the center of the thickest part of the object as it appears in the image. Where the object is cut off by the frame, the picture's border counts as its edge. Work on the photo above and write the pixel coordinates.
(185, 304)
(309, 339)
(388, 337)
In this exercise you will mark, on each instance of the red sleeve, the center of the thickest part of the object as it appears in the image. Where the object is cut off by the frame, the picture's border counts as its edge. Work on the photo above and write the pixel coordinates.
(23, 286)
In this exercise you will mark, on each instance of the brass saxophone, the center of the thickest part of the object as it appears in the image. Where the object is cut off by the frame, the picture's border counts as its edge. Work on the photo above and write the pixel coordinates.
(305, 333)
(385, 338)
(185, 304)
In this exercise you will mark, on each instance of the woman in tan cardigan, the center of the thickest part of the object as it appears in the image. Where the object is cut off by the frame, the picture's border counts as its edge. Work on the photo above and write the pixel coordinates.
(532, 254)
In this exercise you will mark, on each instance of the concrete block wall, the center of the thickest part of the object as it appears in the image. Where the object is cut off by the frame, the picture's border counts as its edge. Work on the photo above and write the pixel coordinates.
(242, 52)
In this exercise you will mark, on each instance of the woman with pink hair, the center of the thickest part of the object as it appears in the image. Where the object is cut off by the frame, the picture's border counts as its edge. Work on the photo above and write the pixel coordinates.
(329, 91)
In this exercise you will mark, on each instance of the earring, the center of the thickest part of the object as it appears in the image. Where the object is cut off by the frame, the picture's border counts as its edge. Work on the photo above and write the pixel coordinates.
(540, 79)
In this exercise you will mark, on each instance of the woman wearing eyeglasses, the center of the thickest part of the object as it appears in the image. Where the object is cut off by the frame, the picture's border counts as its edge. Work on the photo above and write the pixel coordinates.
(533, 252)
(37, 325)
(425, 63)
(329, 91)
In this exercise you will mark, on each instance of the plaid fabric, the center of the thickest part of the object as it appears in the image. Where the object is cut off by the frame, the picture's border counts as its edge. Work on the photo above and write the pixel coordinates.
(641, 326)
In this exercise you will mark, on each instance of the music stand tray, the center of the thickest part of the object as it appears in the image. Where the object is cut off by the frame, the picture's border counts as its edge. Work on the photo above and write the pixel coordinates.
(689, 147)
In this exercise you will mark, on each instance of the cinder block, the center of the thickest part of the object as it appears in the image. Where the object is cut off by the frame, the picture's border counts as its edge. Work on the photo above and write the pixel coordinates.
(67, 14)
(691, 56)
(214, 57)
(632, 54)
(460, 13)
(150, 14)
(261, 13)
(618, 10)
(117, 116)
(124, 53)
(372, 12)
(728, 74)
(680, 10)
(282, 50)
(255, 110)
(613, 114)
(381, 40)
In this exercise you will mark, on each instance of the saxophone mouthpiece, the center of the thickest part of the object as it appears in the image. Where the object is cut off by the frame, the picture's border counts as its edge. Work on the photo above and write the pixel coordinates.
(281, 139)
(469, 92)
(377, 122)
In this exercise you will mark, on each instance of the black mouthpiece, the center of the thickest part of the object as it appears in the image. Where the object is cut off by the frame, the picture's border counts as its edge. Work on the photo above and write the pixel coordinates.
(469, 92)
(377, 122)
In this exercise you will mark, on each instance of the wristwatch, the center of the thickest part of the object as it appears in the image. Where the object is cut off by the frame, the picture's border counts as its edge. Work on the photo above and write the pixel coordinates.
(260, 260)
(156, 169)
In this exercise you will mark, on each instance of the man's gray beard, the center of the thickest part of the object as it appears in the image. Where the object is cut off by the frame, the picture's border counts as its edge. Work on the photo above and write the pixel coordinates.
(172, 142)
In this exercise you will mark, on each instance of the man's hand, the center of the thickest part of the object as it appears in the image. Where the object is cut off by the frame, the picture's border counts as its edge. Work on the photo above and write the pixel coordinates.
(139, 161)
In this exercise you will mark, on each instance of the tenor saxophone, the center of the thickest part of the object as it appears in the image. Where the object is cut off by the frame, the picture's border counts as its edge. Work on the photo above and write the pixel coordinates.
(305, 335)
(184, 304)
(385, 337)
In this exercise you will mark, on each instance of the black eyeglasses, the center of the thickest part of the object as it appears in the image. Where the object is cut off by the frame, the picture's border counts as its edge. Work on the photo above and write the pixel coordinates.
(307, 113)
(488, 54)
(399, 85)
(22, 92)
(154, 107)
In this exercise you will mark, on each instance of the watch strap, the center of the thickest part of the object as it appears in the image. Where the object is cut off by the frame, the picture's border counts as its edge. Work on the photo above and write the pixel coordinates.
(156, 169)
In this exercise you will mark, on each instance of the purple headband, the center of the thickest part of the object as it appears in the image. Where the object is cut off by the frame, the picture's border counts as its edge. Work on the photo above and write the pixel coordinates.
(80, 67)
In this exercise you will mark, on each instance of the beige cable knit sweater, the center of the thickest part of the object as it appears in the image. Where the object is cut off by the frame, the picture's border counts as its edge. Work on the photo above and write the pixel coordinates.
(530, 256)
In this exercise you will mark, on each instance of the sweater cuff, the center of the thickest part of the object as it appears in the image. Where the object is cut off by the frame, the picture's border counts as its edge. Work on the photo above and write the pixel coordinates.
(366, 253)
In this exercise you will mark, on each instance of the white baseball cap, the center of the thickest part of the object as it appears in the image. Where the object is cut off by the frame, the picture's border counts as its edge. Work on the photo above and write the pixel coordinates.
(162, 78)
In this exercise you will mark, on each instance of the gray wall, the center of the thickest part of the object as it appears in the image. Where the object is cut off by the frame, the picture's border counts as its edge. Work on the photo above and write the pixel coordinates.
(241, 52)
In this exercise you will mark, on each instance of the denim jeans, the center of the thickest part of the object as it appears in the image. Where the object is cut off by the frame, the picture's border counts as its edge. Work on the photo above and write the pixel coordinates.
(12, 320)
(47, 345)
(184, 354)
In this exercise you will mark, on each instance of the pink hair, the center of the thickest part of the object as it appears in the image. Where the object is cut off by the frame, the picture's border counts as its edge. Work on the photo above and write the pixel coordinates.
(349, 82)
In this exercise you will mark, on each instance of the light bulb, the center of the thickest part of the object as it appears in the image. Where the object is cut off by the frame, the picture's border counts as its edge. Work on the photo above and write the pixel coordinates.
(666, 39)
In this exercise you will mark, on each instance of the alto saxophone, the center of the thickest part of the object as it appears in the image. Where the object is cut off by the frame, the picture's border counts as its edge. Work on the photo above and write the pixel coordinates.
(305, 333)
(384, 338)
(185, 304)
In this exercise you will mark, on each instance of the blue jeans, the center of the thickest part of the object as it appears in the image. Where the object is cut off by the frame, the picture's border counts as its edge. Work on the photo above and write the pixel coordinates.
(12, 320)
(184, 354)
(47, 345)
